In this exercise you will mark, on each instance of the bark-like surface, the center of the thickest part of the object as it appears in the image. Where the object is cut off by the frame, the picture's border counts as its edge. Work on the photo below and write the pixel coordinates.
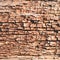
(29, 28)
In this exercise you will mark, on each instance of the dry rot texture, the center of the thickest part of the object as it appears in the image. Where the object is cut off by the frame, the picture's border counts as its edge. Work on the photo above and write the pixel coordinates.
(29, 28)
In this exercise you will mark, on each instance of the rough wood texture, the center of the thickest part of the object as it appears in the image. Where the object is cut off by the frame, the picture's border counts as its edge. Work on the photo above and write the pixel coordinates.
(29, 28)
